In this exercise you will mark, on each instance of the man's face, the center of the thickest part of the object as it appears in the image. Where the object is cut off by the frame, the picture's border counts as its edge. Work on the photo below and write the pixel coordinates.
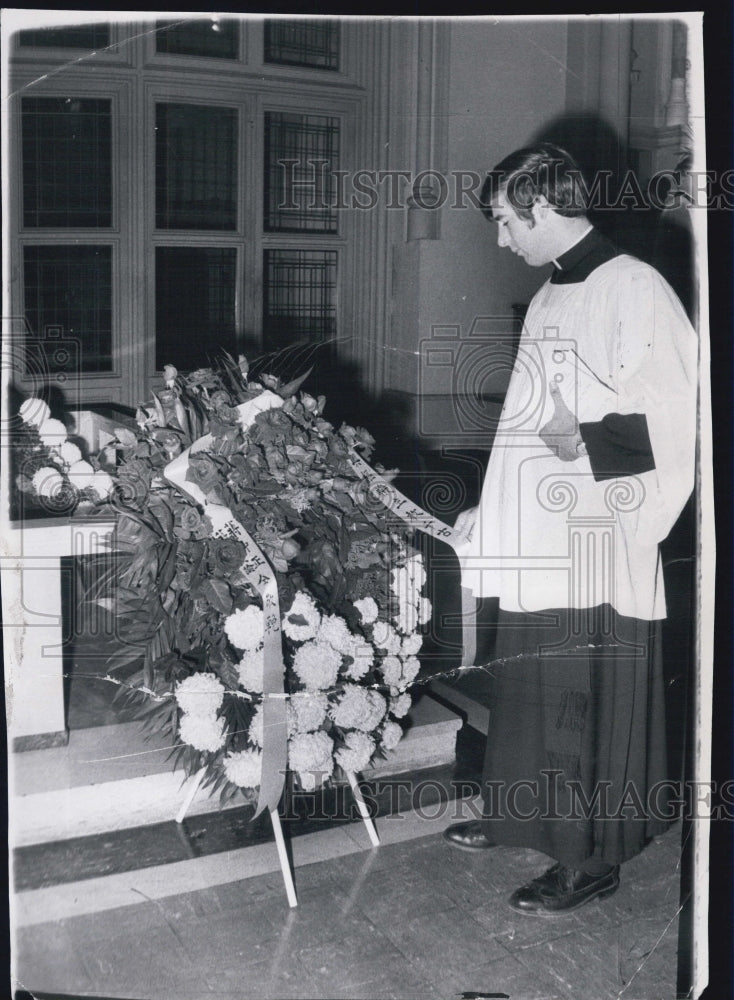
(525, 237)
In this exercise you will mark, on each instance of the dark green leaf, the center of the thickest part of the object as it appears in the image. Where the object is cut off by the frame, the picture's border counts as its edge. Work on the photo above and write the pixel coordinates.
(218, 594)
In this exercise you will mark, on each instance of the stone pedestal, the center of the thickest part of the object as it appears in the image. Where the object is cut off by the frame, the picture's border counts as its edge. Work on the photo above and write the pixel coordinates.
(429, 742)
(33, 632)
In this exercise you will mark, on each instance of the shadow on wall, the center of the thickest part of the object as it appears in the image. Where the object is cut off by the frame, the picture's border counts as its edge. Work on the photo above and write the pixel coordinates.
(647, 231)
(347, 399)
(661, 239)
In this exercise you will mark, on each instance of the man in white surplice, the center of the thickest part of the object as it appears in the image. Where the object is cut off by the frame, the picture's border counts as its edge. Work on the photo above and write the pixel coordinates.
(592, 463)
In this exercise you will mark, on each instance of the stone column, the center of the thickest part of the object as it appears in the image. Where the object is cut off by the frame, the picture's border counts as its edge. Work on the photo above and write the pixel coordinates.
(676, 110)
(424, 221)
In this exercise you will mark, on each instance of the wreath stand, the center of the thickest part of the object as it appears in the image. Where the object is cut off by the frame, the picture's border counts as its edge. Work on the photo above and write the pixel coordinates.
(283, 859)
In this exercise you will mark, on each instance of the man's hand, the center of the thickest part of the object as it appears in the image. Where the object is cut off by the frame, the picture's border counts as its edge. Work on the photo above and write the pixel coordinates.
(561, 434)
(465, 522)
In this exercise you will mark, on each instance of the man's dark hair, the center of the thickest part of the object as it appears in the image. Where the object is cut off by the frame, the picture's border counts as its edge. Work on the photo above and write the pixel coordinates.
(528, 173)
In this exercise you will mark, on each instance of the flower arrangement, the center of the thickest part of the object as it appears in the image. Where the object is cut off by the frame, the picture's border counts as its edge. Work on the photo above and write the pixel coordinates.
(53, 474)
(349, 583)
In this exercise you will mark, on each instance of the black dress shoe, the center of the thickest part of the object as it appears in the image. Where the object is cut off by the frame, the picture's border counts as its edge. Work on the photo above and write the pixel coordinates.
(468, 836)
(561, 890)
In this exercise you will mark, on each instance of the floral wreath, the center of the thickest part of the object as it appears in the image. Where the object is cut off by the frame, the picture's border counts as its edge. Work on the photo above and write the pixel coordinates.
(349, 582)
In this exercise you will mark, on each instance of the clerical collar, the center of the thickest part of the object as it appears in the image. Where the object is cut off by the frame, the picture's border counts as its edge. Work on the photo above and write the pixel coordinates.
(577, 263)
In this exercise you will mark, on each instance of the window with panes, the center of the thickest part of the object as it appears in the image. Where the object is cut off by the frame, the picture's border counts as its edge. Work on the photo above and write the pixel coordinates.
(233, 237)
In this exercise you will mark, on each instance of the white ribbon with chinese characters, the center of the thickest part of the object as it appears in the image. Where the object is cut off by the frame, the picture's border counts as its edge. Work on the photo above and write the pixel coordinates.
(414, 516)
(260, 575)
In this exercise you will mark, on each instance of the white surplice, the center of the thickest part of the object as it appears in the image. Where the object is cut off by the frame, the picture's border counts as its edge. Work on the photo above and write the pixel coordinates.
(547, 534)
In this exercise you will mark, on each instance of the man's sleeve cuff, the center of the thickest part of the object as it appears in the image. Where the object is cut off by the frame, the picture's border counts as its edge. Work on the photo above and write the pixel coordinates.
(618, 445)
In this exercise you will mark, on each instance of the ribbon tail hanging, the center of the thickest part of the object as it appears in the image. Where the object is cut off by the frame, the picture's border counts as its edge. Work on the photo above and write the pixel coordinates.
(411, 514)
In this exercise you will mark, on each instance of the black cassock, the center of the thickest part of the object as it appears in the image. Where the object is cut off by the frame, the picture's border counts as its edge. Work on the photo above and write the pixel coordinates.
(576, 763)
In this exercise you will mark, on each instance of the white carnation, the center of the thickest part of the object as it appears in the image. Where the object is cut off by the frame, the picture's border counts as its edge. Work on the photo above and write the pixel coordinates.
(392, 671)
(368, 609)
(405, 585)
(411, 644)
(34, 411)
(415, 571)
(81, 474)
(391, 735)
(306, 711)
(52, 432)
(245, 628)
(82, 468)
(385, 637)
(335, 631)
(204, 733)
(358, 708)
(303, 607)
(406, 620)
(47, 481)
(400, 581)
(250, 671)
(400, 706)
(424, 610)
(200, 694)
(363, 659)
(69, 453)
(317, 665)
(357, 753)
(411, 667)
(310, 756)
(244, 768)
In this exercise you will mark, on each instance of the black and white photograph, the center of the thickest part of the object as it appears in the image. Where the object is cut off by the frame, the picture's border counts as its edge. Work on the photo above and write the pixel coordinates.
(357, 506)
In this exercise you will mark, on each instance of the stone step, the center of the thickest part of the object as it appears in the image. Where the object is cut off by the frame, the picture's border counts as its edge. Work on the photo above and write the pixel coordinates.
(107, 778)
(429, 741)
(467, 694)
